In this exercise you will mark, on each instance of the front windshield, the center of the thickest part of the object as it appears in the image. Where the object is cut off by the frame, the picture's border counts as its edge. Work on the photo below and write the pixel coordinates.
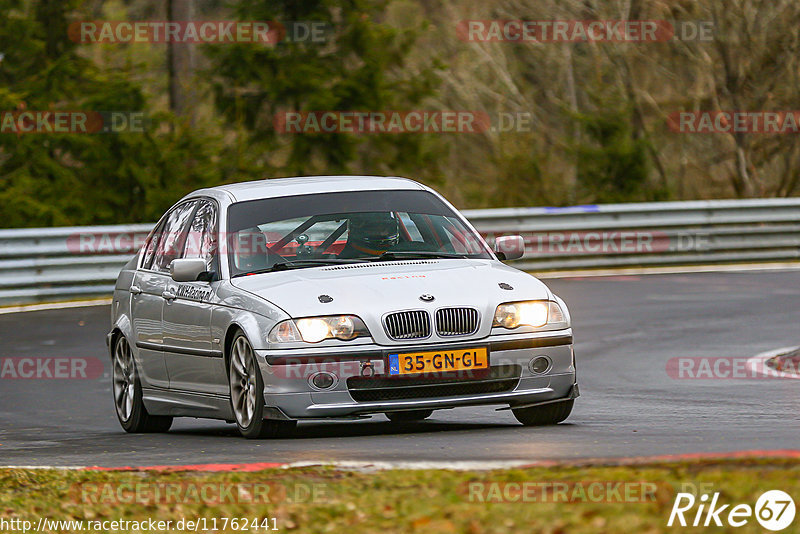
(345, 227)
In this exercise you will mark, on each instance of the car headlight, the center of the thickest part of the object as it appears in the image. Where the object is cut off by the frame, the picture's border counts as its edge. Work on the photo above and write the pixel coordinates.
(536, 313)
(316, 329)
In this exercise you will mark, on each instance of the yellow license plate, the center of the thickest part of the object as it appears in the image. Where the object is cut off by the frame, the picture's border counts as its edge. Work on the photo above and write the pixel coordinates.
(438, 361)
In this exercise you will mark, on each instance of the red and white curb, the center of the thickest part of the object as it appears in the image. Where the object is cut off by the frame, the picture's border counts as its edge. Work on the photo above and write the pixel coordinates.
(365, 466)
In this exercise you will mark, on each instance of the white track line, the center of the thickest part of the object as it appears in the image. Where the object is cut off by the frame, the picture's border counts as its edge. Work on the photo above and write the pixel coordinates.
(686, 269)
(758, 364)
(42, 467)
(386, 466)
(55, 306)
(347, 465)
(469, 465)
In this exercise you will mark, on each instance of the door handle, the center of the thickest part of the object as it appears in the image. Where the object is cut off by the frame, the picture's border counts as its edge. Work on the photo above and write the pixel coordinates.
(136, 290)
(169, 295)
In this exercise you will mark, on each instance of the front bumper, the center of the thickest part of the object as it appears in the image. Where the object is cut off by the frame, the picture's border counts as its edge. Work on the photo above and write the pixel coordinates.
(288, 392)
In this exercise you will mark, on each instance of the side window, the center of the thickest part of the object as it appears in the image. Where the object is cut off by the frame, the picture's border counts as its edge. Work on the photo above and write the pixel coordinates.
(201, 240)
(173, 236)
(150, 250)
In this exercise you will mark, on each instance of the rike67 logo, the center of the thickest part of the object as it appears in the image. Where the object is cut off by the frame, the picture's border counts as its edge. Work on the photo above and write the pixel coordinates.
(774, 510)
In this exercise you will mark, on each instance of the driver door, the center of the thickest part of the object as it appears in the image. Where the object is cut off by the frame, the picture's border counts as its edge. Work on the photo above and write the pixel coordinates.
(194, 363)
(147, 297)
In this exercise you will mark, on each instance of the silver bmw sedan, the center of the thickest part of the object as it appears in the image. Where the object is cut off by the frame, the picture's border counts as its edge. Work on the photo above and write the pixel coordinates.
(270, 302)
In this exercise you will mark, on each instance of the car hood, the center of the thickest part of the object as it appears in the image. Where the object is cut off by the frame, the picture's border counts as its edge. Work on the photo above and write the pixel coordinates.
(370, 290)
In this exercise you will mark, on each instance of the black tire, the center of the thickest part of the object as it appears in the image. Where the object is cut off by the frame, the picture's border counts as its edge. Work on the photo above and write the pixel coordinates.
(411, 415)
(251, 426)
(125, 383)
(548, 414)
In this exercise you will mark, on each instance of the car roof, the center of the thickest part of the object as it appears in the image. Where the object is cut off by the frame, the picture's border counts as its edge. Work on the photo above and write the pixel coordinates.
(306, 185)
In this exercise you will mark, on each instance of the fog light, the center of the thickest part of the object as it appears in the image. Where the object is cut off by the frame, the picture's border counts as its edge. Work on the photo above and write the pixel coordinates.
(323, 380)
(539, 365)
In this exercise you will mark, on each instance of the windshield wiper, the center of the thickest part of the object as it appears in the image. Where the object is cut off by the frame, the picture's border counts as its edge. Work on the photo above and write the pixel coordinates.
(410, 254)
(300, 264)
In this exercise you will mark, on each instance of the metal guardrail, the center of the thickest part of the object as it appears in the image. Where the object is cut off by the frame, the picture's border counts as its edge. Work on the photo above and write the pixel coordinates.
(41, 264)
(75, 262)
(650, 234)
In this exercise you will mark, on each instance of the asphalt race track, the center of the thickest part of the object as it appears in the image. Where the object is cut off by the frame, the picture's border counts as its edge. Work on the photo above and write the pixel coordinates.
(626, 329)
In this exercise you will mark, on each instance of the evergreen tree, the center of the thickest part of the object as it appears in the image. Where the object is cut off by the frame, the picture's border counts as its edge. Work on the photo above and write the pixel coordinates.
(55, 179)
(611, 163)
(361, 66)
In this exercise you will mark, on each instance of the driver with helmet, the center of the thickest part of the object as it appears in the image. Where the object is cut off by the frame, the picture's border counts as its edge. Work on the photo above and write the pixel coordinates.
(370, 234)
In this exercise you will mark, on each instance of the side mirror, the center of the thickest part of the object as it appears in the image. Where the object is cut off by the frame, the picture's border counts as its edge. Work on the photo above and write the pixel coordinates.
(187, 269)
(509, 247)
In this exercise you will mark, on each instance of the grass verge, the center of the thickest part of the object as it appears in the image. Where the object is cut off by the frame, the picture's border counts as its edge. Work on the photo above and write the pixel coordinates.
(566, 499)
